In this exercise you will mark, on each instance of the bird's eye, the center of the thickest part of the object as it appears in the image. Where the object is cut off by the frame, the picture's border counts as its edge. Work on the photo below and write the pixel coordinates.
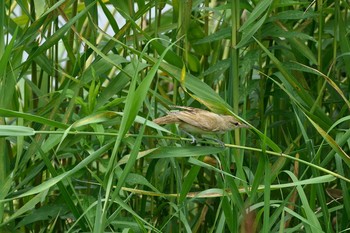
(235, 123)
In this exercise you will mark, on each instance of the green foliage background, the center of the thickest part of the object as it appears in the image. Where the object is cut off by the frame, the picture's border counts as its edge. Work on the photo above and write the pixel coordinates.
(79, 151)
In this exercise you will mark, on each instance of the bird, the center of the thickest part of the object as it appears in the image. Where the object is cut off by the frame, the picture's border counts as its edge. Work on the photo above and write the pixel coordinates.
(198, 121)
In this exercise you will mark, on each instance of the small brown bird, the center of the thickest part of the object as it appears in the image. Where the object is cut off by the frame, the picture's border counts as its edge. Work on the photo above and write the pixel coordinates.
(199, 121)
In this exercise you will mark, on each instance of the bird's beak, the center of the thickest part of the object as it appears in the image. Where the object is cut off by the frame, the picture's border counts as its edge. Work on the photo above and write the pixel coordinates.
(242, 125)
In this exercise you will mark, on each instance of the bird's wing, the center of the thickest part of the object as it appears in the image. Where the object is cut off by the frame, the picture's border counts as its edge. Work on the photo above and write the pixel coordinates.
(199, 118)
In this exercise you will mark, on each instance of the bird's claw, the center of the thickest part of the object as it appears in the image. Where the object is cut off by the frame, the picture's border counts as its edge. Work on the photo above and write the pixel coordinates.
(221, 143)
(194, 140)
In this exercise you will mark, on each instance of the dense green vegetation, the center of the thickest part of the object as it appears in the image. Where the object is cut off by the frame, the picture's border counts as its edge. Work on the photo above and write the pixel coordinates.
(79, 151)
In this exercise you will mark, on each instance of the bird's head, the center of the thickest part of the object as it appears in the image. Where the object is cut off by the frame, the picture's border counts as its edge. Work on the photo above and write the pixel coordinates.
(233, 123)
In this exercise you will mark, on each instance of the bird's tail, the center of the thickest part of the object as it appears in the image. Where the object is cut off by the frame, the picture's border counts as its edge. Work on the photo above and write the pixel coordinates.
(168, 119)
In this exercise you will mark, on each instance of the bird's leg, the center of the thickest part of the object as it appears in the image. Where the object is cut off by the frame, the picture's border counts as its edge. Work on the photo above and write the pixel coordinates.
(221, 143)
(194, 140)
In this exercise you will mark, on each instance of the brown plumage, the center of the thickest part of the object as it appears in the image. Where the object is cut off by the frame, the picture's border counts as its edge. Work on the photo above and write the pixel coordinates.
(199, 121)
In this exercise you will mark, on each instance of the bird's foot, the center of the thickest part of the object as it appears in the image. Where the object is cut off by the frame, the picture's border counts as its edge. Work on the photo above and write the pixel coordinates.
(221, 143)
(194, 140)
